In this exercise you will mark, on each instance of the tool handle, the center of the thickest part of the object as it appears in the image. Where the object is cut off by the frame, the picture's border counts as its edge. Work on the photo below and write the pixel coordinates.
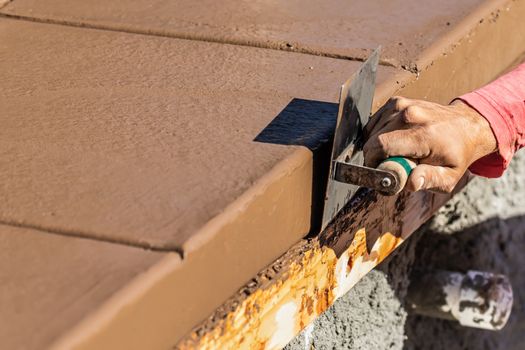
(401, 168)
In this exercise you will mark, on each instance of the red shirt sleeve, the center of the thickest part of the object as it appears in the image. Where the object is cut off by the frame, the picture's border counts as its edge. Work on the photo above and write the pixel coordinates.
(502, 103)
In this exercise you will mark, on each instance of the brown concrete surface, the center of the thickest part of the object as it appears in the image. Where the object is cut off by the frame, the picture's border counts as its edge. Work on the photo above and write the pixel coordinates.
(334, 27)
(139, 139)
(49, 282)
(144, 140)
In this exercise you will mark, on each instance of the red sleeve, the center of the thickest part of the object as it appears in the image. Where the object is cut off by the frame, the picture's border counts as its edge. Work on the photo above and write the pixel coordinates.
(502, 103)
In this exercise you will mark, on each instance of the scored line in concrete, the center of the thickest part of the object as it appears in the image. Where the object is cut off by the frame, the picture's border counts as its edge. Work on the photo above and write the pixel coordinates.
(96, 237)
(119, 165)
(193, 37)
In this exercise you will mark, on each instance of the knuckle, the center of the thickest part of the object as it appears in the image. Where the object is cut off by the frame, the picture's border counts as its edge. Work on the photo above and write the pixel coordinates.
(416, 137)
(419, 143)
(421, 136)
(411, 114)
(400, 103)
(406, 118)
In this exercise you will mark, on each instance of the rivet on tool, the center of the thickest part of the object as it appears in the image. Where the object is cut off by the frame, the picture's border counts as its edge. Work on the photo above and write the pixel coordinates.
(386, 182)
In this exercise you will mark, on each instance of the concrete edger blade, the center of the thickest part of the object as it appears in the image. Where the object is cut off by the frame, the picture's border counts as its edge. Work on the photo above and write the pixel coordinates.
(355, 104)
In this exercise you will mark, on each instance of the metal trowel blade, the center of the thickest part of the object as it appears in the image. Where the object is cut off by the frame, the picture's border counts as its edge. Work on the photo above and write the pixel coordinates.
(355, 104)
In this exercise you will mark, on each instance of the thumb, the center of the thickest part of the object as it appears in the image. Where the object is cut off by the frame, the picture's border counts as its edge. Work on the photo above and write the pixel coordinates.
(430, 177)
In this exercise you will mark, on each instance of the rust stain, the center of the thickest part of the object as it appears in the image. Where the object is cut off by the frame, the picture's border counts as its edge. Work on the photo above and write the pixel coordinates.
(389, 243)
(309, 287)
(357, 248)
(322, 301)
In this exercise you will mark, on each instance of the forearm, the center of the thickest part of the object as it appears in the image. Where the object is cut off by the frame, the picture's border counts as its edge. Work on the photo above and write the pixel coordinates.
(502, 104)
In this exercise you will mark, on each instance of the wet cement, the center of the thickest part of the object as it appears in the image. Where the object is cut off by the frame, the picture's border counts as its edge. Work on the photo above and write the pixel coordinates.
(335, 27)
(124, 147)
(481, 228)
(140, 139)
(49, 282)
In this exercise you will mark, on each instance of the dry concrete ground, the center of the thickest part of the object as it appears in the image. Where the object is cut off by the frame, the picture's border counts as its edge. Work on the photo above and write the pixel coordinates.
(481, 228)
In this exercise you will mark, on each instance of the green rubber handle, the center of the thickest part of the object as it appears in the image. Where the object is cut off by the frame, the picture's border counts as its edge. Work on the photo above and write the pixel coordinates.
(401, 161)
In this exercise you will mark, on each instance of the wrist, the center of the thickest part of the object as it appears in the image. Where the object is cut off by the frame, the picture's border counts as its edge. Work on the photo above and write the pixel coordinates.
(479, 132)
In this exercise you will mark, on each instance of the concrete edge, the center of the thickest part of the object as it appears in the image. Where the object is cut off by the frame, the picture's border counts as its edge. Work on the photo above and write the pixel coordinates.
(485, 36)
(470, 23)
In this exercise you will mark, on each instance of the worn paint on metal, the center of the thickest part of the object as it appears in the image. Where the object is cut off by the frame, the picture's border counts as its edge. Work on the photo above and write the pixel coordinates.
(269, 318)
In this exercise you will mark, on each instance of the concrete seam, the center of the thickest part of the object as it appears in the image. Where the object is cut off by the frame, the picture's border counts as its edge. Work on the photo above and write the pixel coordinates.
(194, 37)
(94, 237)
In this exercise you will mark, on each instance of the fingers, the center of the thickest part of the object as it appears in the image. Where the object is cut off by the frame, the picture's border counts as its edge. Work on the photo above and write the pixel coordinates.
(385, 114)
(409, 143)
(393, 123)
(407, 128)
(436, 178)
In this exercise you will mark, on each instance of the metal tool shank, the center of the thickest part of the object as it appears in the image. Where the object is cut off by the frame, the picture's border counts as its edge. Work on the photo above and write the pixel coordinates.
(384, 182)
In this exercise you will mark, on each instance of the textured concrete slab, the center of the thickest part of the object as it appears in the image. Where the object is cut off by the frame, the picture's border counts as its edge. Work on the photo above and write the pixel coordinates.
(334, 27)
(110, 134)
(50, 282)
(149, 142)
(139, 139)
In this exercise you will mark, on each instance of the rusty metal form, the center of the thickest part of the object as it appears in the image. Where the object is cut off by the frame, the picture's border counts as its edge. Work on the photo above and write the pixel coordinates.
(270, 317)
(298, 287)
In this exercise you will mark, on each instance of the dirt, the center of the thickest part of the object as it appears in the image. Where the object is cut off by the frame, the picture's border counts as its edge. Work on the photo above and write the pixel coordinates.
(481, 228)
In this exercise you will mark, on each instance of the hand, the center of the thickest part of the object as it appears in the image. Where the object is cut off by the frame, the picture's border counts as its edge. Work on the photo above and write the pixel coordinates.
(443, 140)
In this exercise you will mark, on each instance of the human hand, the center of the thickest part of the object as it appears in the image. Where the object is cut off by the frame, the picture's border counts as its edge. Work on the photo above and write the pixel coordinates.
(443, 140)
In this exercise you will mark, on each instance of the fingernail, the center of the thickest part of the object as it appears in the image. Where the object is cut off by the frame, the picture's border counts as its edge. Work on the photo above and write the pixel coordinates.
(420, 183)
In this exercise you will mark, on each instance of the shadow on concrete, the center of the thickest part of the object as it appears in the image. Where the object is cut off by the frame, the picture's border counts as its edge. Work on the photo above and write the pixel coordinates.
(495, 245)
(302, 122)
(310, 124)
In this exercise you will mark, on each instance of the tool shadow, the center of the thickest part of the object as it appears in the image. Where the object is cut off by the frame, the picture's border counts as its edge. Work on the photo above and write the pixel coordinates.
(311, 124)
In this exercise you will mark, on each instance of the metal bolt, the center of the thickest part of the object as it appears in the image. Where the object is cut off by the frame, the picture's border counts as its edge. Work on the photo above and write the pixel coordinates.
(386, 182)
